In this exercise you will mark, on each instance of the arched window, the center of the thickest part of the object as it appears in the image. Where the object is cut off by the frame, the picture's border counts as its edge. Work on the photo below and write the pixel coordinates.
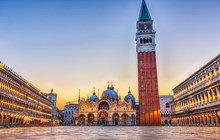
(147, 40)
(167, 105)
(141, 40)
(103, 105)
(144, 40)
(150, 40)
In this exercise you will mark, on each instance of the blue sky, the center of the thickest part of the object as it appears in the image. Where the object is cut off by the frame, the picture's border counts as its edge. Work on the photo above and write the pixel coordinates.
(72, 44)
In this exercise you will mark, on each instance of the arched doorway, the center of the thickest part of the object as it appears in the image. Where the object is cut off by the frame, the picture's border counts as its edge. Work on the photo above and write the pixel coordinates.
(115, 119)
(103, 118)
(91, 119)
(166, 123)
(124, 119)
(133, 119)
(82, 119)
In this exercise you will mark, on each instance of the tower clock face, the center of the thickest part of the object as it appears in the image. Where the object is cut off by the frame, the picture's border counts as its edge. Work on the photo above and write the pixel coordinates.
(145, 26)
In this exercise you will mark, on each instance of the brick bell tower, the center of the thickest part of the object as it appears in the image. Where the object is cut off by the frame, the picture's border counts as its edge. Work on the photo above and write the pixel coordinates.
(147, 70)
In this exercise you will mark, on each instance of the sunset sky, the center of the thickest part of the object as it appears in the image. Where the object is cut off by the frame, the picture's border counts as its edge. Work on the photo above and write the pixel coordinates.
(80, 44)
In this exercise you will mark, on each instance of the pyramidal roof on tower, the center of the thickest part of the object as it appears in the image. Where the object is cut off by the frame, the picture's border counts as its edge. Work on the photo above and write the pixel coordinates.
(144, 13)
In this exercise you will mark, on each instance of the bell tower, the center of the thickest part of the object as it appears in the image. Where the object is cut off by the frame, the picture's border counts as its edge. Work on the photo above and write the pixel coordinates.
(147, 69)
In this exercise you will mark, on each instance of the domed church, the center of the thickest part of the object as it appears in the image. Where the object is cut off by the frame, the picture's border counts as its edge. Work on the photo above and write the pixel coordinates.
(110, 109)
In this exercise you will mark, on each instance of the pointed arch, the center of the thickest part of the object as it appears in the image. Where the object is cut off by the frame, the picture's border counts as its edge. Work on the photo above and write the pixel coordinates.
(150, 40)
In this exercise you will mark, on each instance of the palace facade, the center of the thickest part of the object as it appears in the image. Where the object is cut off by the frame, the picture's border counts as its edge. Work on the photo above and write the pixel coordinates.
(110, 109)
(165, 109)
(21, 103)
(68, 114)
(197, 99)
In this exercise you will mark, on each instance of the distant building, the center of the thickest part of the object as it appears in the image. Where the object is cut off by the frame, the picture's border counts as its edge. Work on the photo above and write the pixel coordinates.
(137, 112)
(197, 99)
(110, 109)
(21, 103)
(165, 109)
(56, 116)
(53, 97)
(68, 114)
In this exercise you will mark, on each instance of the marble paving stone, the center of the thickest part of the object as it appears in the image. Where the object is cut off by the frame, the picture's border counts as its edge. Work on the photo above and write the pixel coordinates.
(110, 133)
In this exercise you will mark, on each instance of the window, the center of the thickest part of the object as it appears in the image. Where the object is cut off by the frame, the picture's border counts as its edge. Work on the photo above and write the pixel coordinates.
(167, 105)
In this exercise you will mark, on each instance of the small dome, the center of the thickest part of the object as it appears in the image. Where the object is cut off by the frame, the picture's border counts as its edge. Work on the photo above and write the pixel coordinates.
(93, 98)
(129, 96)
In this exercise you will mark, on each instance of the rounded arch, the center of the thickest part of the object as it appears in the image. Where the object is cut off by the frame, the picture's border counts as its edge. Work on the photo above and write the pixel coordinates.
(91, 119)
(133, 118)
(82, 119)
(166, 122)
(103, 105)
(150, 40)
(124, 119)
(102, 118)
(115, 119)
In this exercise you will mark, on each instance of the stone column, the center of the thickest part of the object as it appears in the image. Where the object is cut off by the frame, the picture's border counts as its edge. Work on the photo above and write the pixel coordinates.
(216, 119)
(217, 92)
(213, 95)
(201, 98)
(212, 120)
(205, 96)
(208, 119)
(2, 116)
(198, 100)
(204, 120)
(194, 120)
(209, 96)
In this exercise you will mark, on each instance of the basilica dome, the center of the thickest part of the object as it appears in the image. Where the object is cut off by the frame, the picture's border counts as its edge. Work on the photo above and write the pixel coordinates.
(111, 93)
(93, 98)
(128, 97)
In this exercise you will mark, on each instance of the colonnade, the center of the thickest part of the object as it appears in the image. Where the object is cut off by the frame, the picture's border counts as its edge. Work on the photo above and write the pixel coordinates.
(7, 119)
(20, 100)
(201, 119)
(210, 95)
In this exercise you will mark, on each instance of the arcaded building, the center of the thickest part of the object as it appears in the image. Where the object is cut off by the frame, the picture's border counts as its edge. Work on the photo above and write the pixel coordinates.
(110, 109)
(197, 99)
(21, 103)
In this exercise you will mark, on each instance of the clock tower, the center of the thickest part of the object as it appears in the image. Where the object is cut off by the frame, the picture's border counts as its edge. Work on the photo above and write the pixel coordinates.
(147, 70)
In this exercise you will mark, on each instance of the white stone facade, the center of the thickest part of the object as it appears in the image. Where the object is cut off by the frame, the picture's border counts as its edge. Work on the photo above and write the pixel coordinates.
(197, 99)
(165, 109)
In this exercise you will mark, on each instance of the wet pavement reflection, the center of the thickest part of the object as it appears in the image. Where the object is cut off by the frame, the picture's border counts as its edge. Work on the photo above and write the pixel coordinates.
(110, 133)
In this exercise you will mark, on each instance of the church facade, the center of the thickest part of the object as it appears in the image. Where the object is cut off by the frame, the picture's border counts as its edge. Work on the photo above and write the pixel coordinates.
(109, 109)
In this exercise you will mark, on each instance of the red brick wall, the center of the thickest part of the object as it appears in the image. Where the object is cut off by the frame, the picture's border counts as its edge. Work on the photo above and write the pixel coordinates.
(150, 110)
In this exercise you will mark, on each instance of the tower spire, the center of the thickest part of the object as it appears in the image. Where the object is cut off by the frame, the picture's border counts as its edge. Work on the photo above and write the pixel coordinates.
(144, 13)
(93, 90)
(79, 95)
